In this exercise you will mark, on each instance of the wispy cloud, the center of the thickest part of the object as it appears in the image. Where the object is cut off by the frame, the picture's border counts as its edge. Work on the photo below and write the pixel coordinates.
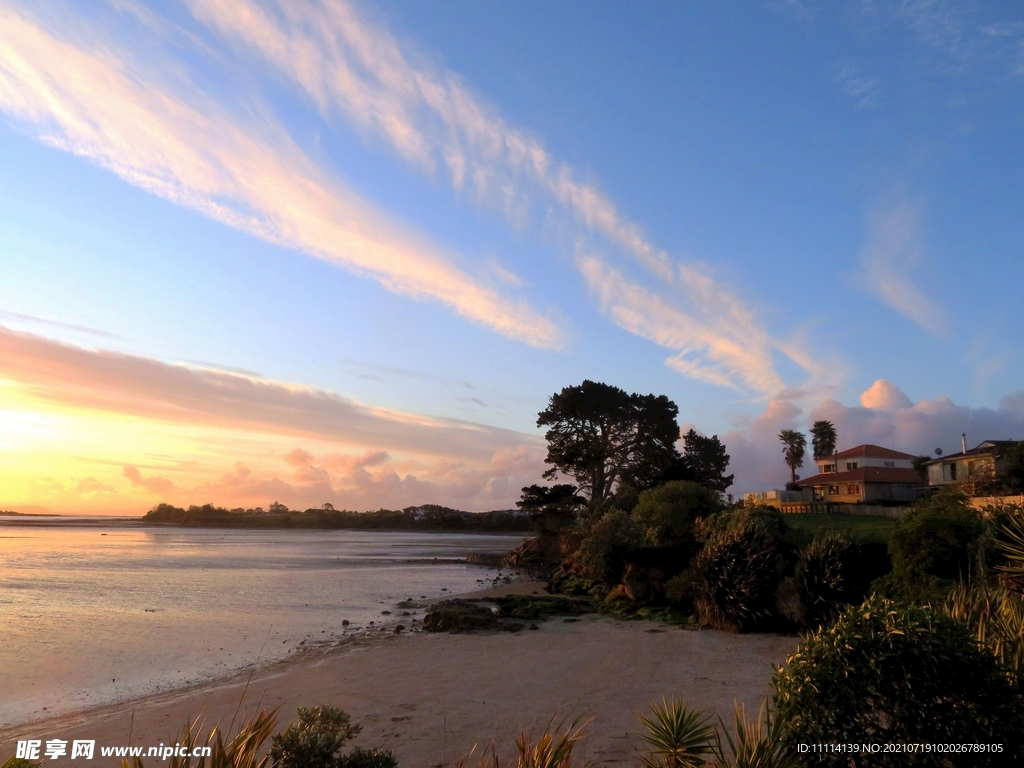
(349, 66)
(17, 317)
(175, 142)
(893, 249)
(125, 384)
(736, 352)
(862, 90)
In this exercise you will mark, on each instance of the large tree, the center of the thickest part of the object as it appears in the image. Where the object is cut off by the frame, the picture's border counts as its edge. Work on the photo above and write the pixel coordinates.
(551, 508)
(794, 447)
(703, 461)
(603, 437)
(823, 439)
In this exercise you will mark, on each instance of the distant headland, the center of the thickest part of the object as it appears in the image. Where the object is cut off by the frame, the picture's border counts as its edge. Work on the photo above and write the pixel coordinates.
(427, 517)
(29, 512)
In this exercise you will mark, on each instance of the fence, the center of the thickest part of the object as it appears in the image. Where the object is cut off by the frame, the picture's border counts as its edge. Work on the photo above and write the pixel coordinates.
(824, 508)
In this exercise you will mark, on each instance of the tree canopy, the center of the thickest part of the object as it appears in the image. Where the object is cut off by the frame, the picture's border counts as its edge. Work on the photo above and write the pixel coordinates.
(823, 439)
(602, 437)
(794, 447)
(551, 508)
(706, 461)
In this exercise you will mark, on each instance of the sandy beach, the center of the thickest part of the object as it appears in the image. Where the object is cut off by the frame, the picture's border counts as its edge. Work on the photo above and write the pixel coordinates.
(431, 697)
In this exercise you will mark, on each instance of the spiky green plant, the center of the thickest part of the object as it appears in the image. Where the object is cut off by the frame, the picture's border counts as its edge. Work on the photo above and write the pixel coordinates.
(823, 578)
(1011, 543)
(18, 762)
(550, 749)
(735, 574)
(243, 751)
(676, 735)
(754, 742)
(995, 616)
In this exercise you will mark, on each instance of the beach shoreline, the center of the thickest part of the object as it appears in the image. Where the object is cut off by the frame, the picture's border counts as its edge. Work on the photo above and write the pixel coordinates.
(424, 694)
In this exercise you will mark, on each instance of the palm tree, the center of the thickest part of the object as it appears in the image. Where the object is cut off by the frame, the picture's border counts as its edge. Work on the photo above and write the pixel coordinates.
(823, 439)
(794, 446)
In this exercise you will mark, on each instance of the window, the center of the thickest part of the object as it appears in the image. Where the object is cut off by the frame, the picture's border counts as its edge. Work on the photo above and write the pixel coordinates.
(833, 490)
(828, 468)
(888, 463)
(949, 471)
(851, 465)
(853, 490)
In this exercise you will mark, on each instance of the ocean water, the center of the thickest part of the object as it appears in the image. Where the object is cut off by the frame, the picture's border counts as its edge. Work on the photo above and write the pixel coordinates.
(96, 611)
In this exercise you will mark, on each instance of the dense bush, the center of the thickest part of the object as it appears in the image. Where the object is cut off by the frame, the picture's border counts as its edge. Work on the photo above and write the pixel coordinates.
(606, 547)
(885, 672)
(937, 542)
(367, 758)
(315, 740)
(733, 578)
(827, 579)
(668, 512)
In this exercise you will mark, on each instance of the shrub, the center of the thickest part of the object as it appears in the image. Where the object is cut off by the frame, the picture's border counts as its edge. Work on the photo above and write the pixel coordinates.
(367, 758)
(938, 536)
(668, 512)
(886, 672)
(734, 576)
(827, 578)
(315, 740)
(604, 550)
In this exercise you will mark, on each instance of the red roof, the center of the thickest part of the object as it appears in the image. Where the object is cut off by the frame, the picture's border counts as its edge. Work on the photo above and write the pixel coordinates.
(902, 475)
(871, 452)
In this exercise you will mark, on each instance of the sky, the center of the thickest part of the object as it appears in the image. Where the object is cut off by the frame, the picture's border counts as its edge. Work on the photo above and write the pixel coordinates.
(327, 251)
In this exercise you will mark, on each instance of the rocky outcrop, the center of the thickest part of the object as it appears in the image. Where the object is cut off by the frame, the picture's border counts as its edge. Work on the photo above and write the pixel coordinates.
(465, 616)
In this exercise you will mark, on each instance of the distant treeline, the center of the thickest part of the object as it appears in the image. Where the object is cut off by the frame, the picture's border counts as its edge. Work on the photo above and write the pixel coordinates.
(428, 517)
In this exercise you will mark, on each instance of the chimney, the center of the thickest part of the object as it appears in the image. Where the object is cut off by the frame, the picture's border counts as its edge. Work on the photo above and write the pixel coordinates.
(963, 442)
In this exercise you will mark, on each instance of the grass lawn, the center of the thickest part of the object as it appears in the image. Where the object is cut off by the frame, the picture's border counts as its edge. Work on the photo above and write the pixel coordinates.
(857, 528)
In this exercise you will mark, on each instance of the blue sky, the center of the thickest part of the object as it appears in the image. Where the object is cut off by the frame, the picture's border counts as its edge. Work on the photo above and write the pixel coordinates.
(448, 211)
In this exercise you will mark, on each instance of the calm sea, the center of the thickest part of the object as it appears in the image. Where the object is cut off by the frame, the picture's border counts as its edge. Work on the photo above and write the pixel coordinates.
(95, 611)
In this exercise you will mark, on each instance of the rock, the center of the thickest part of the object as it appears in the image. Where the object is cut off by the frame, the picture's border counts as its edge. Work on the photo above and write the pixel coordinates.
(534, 626)
(463, 616)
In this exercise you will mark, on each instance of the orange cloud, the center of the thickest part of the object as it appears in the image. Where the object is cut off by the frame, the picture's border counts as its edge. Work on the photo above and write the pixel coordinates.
(139, 386)
(159, 485)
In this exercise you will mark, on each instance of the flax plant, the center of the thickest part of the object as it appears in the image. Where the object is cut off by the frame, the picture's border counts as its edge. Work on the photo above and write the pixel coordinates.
(995, 616)
(551, 749)
(754, 742)
(1012, 544)
(242, 751)
(676, 735)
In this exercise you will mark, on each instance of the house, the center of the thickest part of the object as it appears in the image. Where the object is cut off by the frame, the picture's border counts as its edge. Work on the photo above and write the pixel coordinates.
(984, 462)
(865, 474)
(774, 498)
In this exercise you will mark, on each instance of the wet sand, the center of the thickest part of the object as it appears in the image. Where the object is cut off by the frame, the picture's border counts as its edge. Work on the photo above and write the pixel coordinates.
(431, 697)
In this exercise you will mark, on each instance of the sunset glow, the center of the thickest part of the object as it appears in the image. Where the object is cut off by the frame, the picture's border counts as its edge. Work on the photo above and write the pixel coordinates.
(332, 251)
